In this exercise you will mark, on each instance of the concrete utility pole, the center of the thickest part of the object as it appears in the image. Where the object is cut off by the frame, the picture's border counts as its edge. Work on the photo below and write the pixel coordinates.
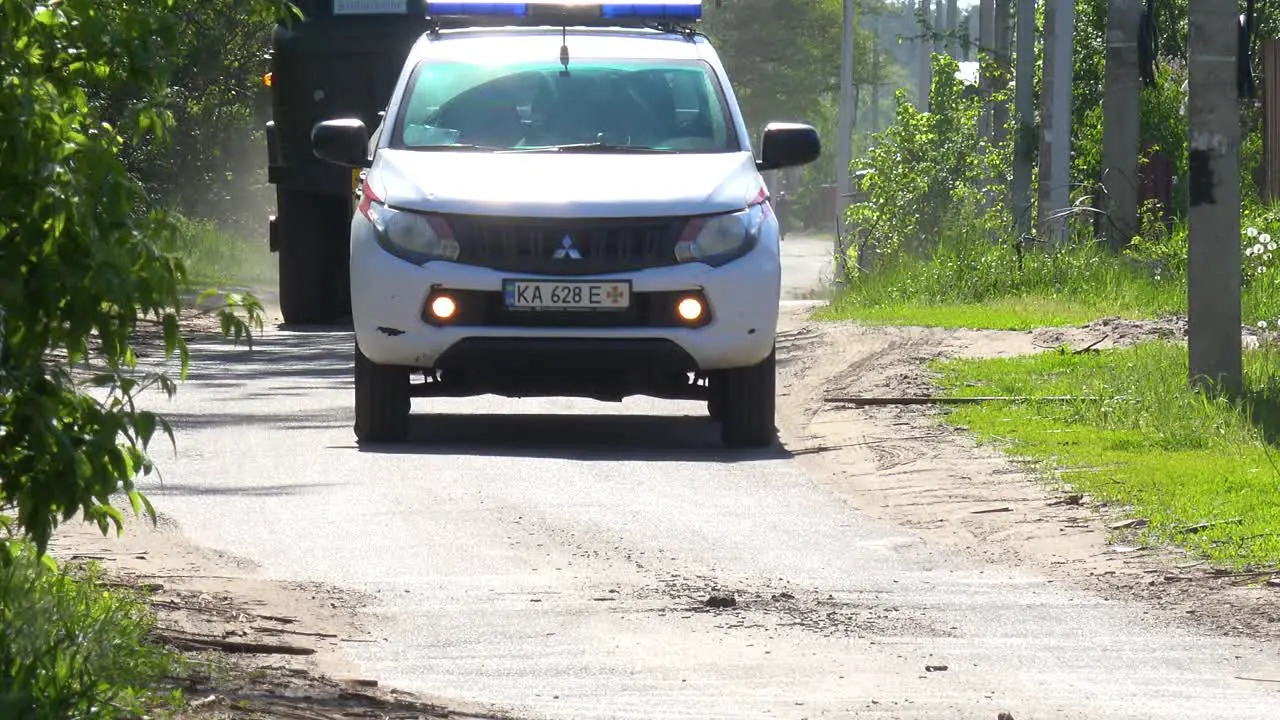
(1121, 122)
(1213, 187)
(985, 27)
(953, 23)
(924, 50)
(1000, 51)
(844, 128)
(1055, 117)
(875, 84)
(939, 26)
(1024, 109)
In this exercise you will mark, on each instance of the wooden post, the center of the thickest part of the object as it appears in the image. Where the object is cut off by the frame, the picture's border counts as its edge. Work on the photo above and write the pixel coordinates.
(1271, 120)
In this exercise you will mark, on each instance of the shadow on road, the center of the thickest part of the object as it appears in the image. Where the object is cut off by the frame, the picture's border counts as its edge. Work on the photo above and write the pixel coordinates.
(574, 437)
(312, 353)
(342, 327)
(280, 421)
(186, 489)
(285, 363)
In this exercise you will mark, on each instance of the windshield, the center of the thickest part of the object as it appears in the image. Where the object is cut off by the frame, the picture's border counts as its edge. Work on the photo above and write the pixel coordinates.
(609, 105)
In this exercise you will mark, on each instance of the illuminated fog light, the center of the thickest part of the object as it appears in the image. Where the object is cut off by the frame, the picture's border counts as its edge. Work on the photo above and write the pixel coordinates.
(689, 309)
(443, 307)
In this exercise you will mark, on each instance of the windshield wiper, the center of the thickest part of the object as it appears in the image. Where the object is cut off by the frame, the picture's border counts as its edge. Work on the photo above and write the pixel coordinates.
(459, 146)
(592, 147)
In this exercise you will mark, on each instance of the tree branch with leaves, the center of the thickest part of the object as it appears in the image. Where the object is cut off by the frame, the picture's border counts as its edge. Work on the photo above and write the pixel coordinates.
(82, 260)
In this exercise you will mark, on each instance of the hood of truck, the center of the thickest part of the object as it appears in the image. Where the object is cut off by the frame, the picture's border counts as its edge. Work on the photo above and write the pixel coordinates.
(565, 184)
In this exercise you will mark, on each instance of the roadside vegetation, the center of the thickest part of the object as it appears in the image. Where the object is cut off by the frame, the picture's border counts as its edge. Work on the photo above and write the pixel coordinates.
(69, 648)
(1202, 471)
(977, 284)
(934, 244)
(932, 231)
(221, 256)
(91, 254)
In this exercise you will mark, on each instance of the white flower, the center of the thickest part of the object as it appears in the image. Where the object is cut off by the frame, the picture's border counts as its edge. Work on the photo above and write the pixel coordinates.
(1262, 324)
(1252, 232)
(1264, 238)
(1271, 246)
(1256, 249)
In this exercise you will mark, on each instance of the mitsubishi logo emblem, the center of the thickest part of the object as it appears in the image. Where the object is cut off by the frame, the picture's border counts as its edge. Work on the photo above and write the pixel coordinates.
(566, 251)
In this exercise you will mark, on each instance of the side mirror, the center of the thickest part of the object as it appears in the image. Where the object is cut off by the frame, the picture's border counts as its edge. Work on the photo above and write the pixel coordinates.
(344, 141)
(787, 145)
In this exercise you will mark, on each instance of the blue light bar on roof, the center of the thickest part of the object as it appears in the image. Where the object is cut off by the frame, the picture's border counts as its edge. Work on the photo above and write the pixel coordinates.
(668, 10)
(464, 7)
(671, 10)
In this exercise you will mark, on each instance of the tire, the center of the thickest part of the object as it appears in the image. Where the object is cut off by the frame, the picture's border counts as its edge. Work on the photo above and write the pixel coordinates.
(314, 245)
(715, 400)
(750, 402)
(382, 401)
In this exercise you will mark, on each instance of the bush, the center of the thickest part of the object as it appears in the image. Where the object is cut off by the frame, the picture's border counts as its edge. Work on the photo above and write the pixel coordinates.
(70, 650)
(931, 175)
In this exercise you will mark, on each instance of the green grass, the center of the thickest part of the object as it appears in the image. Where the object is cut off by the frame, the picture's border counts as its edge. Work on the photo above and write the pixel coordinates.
(1175, 457)
(984, 286)
(216, 258)
(1008, 313)
(69, 648)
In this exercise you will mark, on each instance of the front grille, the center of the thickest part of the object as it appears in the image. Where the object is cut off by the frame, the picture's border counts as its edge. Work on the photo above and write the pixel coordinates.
(539, 246)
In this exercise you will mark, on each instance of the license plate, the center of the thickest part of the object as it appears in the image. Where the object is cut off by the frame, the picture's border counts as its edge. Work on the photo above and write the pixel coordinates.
(566, 295)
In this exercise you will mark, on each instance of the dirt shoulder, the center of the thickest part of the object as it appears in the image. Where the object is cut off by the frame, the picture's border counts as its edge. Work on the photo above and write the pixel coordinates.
(259, 648)
(903, 465)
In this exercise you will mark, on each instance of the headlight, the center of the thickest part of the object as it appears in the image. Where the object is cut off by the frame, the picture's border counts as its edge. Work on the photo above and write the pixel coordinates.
(412, 236)
(719, 239)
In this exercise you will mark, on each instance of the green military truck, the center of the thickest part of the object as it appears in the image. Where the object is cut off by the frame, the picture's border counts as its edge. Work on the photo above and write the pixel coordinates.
(341, 58)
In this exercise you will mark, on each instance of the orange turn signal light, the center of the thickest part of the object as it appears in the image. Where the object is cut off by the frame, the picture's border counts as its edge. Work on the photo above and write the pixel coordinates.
(266, 79)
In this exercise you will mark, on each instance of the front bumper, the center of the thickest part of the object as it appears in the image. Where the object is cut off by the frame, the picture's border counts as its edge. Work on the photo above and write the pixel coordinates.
(388, 295)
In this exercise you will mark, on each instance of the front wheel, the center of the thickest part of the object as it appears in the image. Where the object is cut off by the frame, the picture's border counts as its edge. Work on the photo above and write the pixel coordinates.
(382, 401)
(748, 403)
(715, 400)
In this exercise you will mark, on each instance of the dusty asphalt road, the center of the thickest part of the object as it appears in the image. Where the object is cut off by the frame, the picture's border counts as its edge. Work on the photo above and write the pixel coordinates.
(556, 564)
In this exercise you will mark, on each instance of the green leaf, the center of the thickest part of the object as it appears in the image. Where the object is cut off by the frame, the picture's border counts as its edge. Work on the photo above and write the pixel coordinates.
(116, 518)
(171, 334)
(135, 501)
(145, 422)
